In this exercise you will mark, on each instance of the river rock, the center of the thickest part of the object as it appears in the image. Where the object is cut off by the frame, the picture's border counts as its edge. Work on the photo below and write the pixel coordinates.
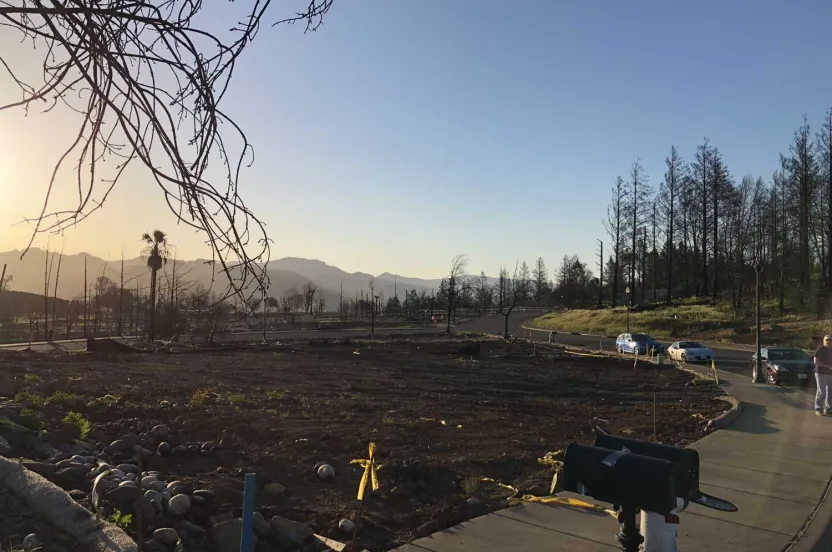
(346, 525)
(179, 504)
(154, 497)
(117, 473)
(73, 475)
(147, 480)
(207, 494)
(166, 535)
(127, 483)
(179, 488)
(161, 430)
(116, 447)
(179, 449)
(156, 485)
(194, 449)
(274, 489)
(31, 542)
(289, 534)
(226, 535)
(209, 445)
(43, 468)
(68, 463)
(77, 495)
(192, 530)
(261, 526)
(128, 468)
(164, 449)
(326, 472)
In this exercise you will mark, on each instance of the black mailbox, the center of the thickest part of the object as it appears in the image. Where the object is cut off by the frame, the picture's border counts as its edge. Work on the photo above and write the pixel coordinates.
(687, 476)
(628, 480)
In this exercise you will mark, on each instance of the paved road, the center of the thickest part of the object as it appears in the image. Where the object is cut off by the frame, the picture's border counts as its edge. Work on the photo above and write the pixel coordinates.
(80, 344)
(730, 360)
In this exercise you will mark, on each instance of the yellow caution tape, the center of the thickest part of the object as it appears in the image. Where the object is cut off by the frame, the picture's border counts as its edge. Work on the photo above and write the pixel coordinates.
(370, 471)
(570, 502)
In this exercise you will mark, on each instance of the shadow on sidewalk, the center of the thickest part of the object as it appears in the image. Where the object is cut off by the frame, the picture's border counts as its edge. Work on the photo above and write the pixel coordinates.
(754, 421)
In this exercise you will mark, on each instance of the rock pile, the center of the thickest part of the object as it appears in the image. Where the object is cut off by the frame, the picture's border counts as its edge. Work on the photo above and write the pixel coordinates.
(171, 513)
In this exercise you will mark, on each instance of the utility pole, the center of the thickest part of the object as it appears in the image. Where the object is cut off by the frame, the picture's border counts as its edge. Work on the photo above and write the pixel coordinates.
(600, 271)
(341, 302)
(758, 372)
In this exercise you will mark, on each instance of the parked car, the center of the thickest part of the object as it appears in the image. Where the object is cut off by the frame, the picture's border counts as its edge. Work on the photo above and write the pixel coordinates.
(784, 365)
(632, 342)
(690, 351)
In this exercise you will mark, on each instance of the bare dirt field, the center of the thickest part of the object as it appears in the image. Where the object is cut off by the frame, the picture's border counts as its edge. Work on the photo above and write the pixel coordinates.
(440, 421)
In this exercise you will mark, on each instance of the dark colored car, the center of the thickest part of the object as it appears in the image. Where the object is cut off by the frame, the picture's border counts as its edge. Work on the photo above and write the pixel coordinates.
(784, 365)
(630, 342)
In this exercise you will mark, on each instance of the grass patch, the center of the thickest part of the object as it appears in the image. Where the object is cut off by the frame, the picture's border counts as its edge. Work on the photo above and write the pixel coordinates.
(32, 379)
(276, 394)
(78, 423)
(237, 399)
(199, 398)
(470, 484)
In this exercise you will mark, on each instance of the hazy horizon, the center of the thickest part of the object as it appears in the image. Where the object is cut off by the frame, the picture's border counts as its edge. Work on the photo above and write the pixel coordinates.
(481, 132)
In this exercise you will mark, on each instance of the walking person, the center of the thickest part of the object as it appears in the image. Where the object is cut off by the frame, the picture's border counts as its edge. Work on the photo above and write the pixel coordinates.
(823, 376)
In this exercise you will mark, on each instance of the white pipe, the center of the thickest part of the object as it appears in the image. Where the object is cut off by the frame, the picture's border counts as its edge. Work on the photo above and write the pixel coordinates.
(659, 535)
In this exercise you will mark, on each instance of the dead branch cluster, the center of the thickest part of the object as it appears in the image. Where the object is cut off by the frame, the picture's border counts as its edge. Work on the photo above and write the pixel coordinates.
(146, 82)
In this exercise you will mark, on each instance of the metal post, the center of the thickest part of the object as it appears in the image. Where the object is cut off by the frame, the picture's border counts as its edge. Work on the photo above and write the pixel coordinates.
(627, 291)
(628, 537)
(247, 536)
(758, 370)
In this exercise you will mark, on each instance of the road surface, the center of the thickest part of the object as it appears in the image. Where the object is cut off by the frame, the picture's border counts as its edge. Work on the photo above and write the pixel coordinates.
(728, 359)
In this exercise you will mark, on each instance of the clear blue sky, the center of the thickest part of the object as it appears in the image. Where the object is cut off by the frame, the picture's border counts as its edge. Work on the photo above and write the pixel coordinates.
(404, 132)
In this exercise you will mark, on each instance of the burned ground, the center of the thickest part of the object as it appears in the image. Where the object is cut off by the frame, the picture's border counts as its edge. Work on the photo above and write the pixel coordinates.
(440, 421)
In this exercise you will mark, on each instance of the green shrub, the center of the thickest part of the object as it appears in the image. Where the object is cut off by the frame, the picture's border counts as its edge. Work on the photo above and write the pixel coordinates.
(198, 398)
(78, 423)
(237, 398)
(32, 379)
(29, 419)
(65, 398)
(25, 396)
(122, 520)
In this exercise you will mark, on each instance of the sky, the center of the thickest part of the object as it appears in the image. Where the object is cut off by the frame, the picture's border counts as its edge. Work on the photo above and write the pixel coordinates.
(403, 133)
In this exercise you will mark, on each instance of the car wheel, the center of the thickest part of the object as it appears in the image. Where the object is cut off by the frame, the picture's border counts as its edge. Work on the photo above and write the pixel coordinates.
(620, 350)
(770, 378)
(684, 357)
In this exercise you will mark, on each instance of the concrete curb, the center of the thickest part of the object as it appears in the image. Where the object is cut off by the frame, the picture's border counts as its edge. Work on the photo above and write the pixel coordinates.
(51, 503)
(729, 416)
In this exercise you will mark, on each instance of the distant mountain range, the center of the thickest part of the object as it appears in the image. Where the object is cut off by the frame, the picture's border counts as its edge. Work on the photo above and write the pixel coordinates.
(286, 275)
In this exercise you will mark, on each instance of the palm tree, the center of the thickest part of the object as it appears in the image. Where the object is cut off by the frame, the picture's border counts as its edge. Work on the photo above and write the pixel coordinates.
(156, 251)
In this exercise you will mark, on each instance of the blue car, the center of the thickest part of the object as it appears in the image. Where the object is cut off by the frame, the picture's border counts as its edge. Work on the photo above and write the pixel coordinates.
(643, 343)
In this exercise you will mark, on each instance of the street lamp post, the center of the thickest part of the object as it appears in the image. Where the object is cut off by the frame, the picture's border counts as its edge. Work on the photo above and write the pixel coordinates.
(627, 291)
(757, 376)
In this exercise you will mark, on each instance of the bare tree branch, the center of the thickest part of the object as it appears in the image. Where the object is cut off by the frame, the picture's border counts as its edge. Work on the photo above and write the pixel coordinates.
(146, 82)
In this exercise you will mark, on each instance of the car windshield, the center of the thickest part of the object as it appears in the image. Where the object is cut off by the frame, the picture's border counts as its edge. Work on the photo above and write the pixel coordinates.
(787, 354)
(690, 345)
(638, 338)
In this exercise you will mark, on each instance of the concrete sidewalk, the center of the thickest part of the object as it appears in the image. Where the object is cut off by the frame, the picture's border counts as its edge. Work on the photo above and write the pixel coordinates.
(774, 462)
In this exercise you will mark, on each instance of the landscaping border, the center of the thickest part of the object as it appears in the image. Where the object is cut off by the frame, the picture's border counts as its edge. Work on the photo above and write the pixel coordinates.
(54, 505)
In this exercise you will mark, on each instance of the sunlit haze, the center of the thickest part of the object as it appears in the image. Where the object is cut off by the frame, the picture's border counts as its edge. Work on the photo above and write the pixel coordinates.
(403, 133)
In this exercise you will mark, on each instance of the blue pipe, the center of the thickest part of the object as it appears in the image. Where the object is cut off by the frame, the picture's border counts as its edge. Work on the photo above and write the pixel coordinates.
(247, 537)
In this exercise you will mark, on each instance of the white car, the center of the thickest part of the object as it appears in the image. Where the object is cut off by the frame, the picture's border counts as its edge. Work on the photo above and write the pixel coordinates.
(690, 351)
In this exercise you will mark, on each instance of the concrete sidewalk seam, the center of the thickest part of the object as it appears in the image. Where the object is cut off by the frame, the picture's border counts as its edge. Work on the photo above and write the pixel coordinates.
(791, 460)
(795, 500)
(756, 528)
(498, 514)
(742, 436)
(761, 471)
